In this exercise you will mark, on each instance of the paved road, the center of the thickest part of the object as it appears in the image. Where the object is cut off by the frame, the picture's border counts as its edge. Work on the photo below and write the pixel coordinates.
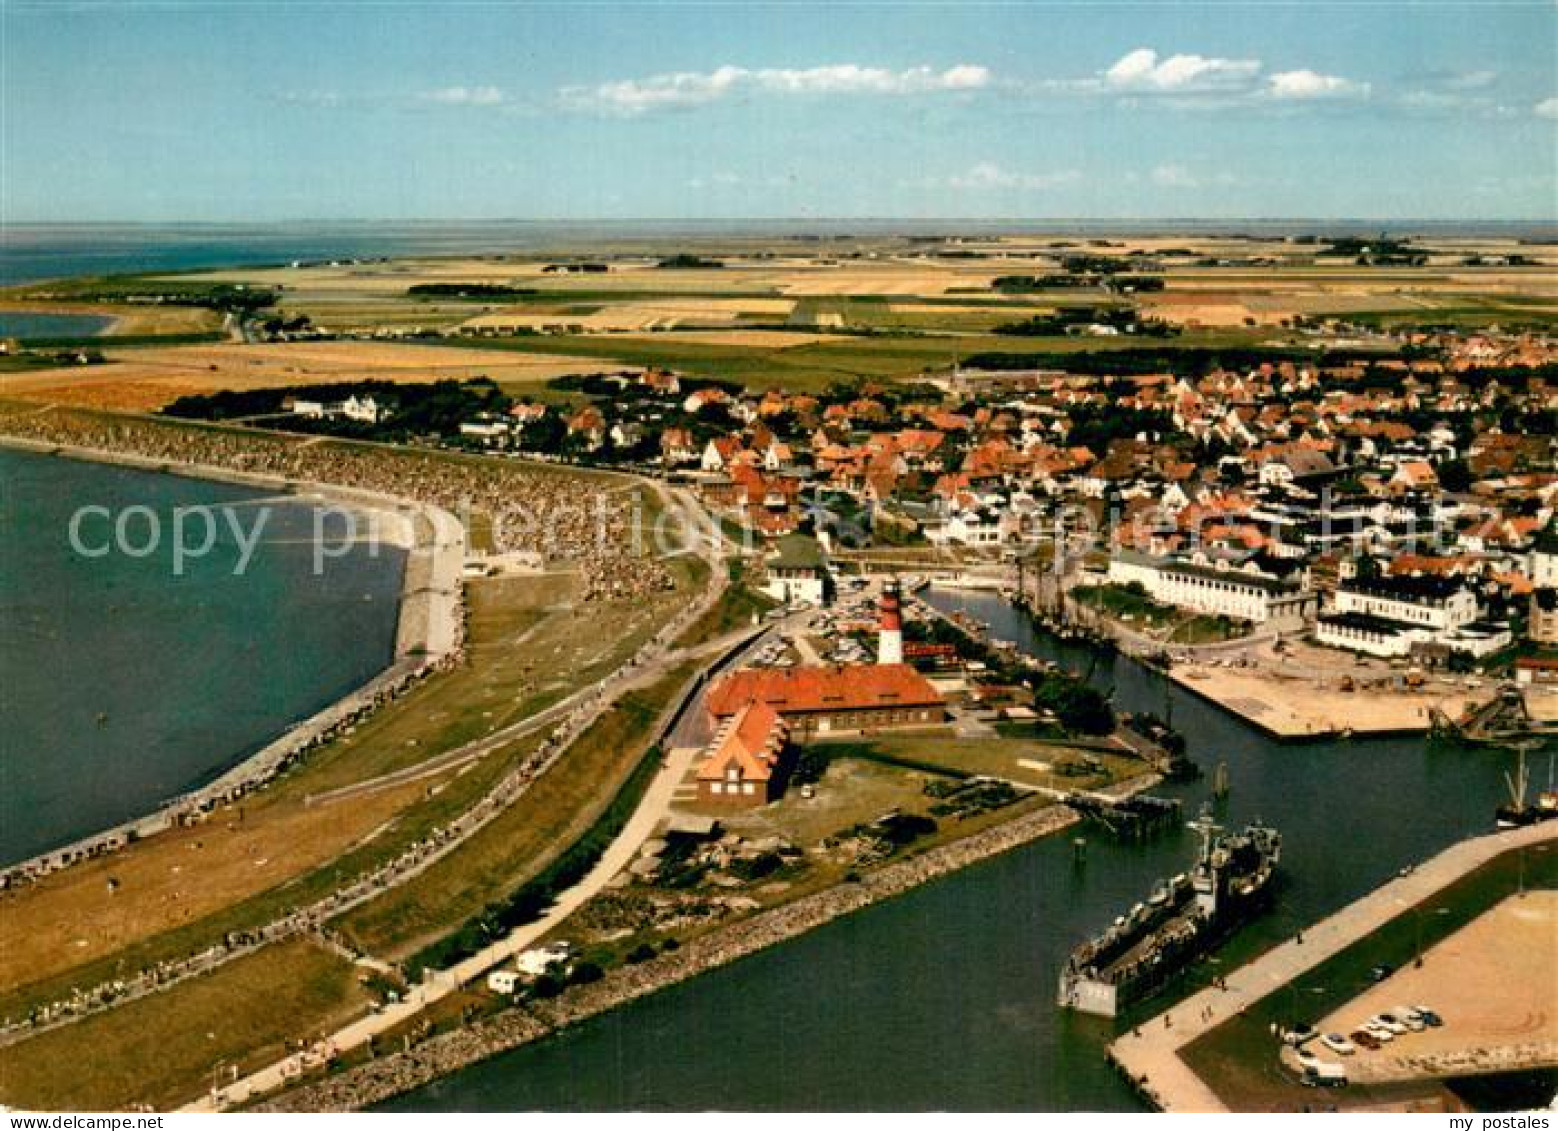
(1150, 1054)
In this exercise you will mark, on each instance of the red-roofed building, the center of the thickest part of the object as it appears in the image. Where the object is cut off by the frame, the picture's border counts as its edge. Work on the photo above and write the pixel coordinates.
(746, 762)
(832, 700)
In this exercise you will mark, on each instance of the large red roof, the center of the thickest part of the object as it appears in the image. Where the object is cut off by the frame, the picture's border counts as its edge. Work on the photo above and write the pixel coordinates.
(796, 690)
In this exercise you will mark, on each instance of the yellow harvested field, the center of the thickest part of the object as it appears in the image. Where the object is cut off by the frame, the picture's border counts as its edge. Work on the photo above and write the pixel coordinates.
(1495, 984)
(144, 379)
(1212, 313)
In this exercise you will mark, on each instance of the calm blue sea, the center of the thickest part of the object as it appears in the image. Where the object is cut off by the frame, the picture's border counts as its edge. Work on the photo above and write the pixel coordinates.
(121, 684)
(30, 252)
(25, 325)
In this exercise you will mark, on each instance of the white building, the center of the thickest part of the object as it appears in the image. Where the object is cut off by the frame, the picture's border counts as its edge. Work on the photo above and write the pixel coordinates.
(1373, 636)
(503, 981)
(1402, 616)
(980, 527)
(364, 409)
(1215, 588)
(1434, 603)
(1544, 559)
(797, 572)
(534, 963)
(1389, 639)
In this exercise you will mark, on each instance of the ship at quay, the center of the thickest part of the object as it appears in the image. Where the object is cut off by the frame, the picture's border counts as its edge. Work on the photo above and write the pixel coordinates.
(1181, 919)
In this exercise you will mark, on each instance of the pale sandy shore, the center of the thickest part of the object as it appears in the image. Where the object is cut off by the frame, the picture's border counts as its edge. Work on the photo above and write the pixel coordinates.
(1289, 707)
(428, 631)
(1150, 1055)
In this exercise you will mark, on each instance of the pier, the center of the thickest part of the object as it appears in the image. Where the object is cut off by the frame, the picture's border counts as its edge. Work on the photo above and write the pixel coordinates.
(1152, 1055)
(1137, 815)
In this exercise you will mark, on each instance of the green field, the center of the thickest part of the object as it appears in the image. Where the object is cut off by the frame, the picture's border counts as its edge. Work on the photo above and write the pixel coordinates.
(557, 809)
(811, 366)
(168, 1048)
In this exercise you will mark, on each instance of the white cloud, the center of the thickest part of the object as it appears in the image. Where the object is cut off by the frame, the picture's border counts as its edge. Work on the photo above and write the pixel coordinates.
(465, 96)
(1174, 176)
(1470, 80)
(322, 98)
(1547, 108)
(1203, 82)
(1305, 85)
(989, 176)
(685, 89)
(1143, 71)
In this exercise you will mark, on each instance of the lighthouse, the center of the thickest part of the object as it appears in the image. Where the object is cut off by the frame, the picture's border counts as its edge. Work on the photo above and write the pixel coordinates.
(889, 648)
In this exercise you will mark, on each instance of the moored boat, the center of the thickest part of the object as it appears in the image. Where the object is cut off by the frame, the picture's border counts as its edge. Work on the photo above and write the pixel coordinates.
(1181, 919)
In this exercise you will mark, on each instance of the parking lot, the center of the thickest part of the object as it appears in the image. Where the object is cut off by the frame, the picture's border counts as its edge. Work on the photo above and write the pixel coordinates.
(1495, 985)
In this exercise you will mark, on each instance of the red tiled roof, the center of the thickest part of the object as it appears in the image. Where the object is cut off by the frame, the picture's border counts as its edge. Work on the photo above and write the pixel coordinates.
(796, 690)
(751, 745)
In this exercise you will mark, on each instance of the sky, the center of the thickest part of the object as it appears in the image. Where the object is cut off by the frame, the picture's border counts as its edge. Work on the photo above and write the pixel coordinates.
(285, 110)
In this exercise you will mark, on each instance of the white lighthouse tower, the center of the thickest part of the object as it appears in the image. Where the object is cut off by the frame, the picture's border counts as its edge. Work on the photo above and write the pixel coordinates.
(889, 649)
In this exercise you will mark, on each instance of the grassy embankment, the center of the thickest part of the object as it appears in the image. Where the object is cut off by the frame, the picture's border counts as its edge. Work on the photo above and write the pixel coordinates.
(134, 1055)
(545, 841)
(554, 813)
(182, 890)
(736, 607)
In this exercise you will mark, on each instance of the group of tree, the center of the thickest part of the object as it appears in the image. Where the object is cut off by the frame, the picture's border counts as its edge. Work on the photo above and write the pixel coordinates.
(436, 408)
(684, 261)
(1081, 319)
(478, 291)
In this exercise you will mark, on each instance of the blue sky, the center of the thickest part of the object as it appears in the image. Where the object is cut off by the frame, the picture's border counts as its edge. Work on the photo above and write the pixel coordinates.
(290, 110)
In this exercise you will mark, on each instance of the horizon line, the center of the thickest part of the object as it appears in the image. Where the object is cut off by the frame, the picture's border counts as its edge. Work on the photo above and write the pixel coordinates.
(13, 223)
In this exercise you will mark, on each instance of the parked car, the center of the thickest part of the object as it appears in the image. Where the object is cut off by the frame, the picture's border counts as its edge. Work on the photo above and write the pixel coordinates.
(1408, 1017)
(1364, 1039)
(1300, 1034)
(1381, 1034)
(1338, 1044)
(1324, 1074)
(1386, 1021)
(1430, 1018)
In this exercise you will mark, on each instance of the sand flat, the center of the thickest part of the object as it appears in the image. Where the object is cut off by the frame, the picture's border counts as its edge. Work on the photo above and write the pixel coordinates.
(1289, 707)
